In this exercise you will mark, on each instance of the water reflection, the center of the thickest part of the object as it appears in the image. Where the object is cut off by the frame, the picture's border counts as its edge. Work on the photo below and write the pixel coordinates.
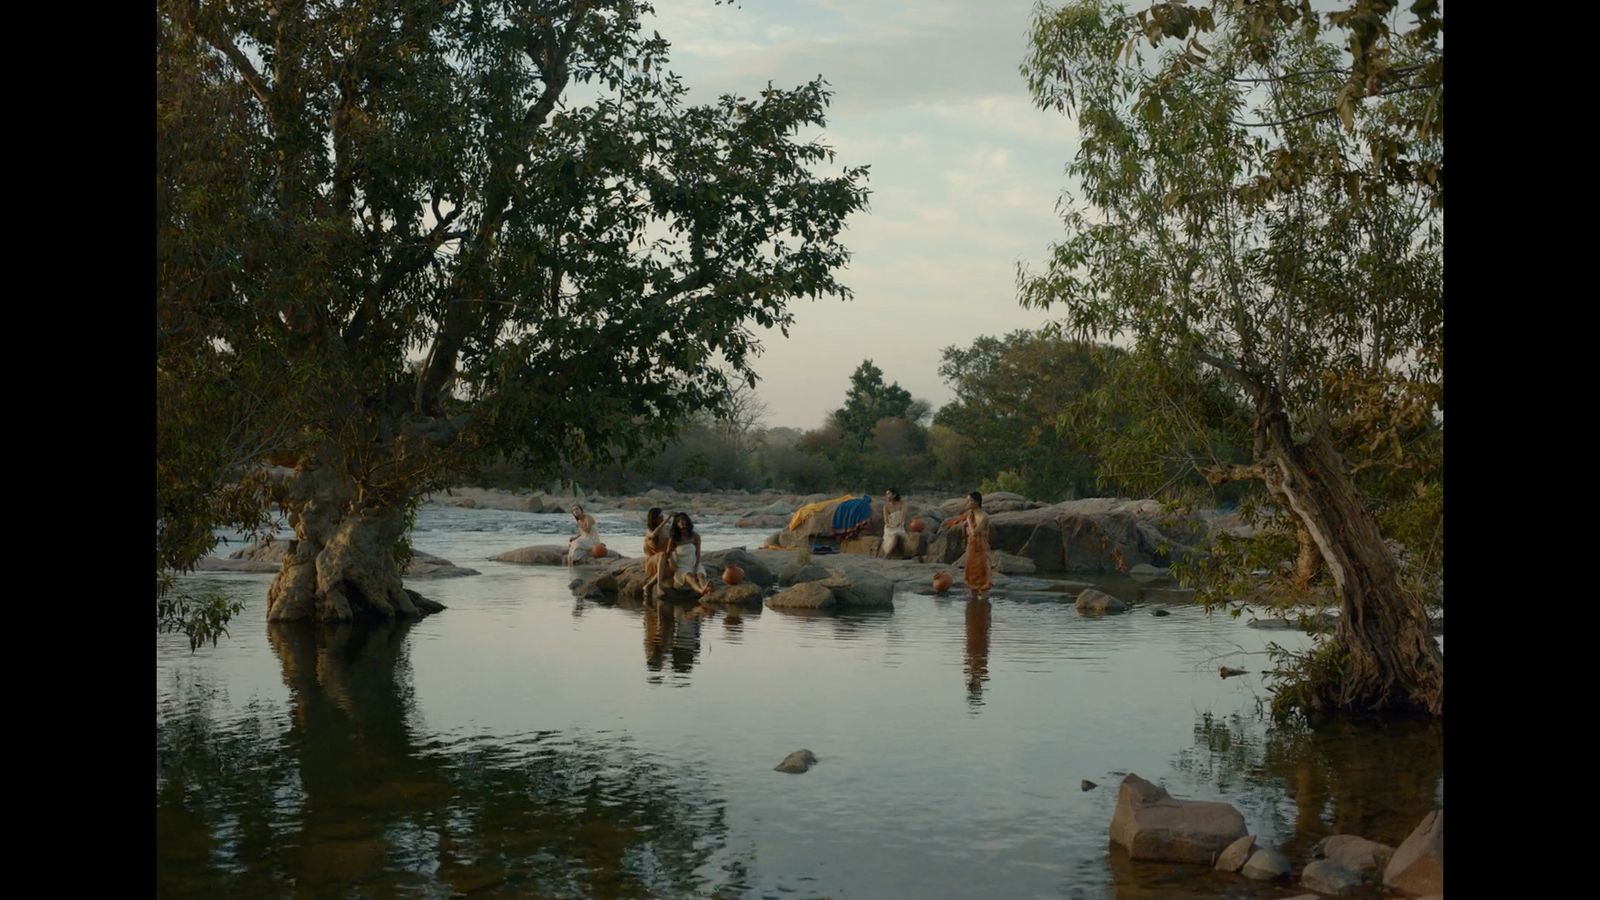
(672, 636)
(977, 659)
(1373, 779)
(347, 794)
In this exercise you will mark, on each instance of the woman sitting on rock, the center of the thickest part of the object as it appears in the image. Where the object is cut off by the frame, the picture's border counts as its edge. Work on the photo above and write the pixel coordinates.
(586, 538)
(657, 538)
(895, 536)
(975, 524)
(684, 553)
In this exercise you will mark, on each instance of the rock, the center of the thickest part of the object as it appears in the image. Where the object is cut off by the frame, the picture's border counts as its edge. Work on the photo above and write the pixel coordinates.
(1311, 624)
(423, 604)
(426, 565)
(1159, 612)
(744, 592)
(267, 556)
(1230, 672)
(1417, 866)
(1361, 856)
(1328, 877)
(861, 589)
(1087, 785)
(760, 521)
(1233, 858)
(755, 570)
(794, 573)
(1147, 572)
(809, 595)
(1093, 602)
(1266, 865)
(551, 555)
(796, 762)
(1153, 826)
(1005, 563)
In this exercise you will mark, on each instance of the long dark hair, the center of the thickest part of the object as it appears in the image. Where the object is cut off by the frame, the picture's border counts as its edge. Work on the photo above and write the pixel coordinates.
(894, 494)
(652, 519)
(688, 527)
(976, 498)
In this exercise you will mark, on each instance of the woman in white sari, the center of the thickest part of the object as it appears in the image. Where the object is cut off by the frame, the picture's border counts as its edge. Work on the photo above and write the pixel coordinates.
(586, 538)
(895, 537)
(685, 553)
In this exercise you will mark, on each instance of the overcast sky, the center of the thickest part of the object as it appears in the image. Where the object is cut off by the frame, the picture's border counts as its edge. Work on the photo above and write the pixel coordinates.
(965, 175)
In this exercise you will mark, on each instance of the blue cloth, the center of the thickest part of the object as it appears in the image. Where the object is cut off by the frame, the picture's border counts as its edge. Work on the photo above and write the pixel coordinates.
(852, 515)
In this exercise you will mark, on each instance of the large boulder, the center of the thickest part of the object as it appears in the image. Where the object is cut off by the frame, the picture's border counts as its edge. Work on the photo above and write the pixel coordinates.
(735, 594)
(1417, 866)
(1233, 858)
(1153, 826)
(996, 502)
(762, 521)
(552, 555)
(1361, 856)
(810, 595)
(1328, 877)
(861, 589)
(1097, 535)
(1266, 864)
(1005, 563)
(754, 569)
(795, 573)
(267, 556)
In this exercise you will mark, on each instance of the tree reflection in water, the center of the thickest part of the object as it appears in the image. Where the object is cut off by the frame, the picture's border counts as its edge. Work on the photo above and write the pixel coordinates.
(350, 795)
(1373, 779)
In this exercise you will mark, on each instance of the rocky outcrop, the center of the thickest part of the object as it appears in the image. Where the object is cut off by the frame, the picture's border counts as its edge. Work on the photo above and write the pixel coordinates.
(1153, 826)
(267, 556)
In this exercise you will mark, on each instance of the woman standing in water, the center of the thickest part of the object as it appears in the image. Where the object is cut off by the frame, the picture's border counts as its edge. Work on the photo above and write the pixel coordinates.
(975, 524)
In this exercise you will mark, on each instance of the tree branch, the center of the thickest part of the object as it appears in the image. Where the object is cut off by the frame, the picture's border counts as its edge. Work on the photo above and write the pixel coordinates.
(1325, 110)
(459, 319)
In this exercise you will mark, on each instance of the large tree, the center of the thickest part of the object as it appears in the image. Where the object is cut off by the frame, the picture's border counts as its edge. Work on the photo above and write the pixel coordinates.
(442, 230)
(1013, 397)
(1266, 206)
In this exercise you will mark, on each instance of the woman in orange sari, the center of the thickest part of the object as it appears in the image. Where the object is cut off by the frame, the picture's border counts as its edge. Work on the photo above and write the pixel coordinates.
(975, 524)
(657, 564)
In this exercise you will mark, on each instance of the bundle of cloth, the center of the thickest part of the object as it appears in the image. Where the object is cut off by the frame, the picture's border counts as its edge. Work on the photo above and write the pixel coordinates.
(840, 518)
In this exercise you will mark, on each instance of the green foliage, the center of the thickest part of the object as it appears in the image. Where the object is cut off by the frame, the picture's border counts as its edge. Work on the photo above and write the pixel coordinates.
(414, 238)
(1259, 214)
(1015, 404)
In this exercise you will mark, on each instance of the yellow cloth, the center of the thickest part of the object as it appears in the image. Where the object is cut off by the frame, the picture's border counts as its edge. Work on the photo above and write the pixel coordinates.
(811, 509)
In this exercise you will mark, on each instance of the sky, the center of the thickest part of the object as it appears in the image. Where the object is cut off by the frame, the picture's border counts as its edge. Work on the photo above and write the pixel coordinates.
(965, 176)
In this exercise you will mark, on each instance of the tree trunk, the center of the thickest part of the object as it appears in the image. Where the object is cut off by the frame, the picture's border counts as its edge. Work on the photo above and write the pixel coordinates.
(342, 565)
(1387, 655)
(1309, 559)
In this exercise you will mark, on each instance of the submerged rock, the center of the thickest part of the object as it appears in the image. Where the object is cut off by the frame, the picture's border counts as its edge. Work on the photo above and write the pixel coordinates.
(1094, 602)
(796, 762)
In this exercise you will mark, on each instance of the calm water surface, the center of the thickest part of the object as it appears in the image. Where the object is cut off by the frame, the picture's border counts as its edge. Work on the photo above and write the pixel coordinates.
(526, 743)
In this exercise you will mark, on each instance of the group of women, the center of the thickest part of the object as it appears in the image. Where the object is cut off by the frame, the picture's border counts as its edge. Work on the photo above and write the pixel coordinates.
(672, 546)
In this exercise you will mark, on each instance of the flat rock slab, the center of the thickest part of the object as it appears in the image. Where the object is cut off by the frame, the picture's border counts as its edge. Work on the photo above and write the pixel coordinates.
(797, 762)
